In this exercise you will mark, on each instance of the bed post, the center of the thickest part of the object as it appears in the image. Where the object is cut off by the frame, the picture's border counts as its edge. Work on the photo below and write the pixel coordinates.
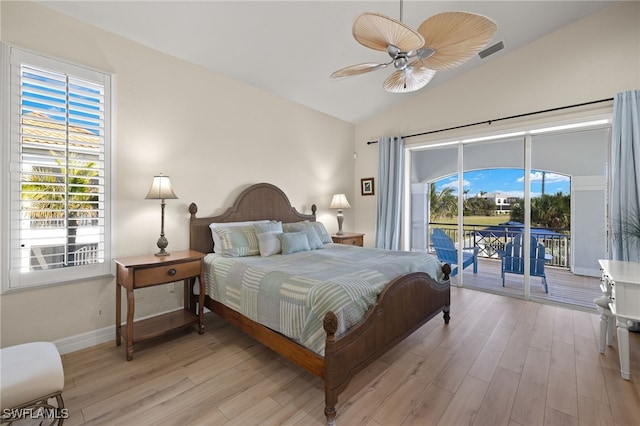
(446, 270)
(330, 324)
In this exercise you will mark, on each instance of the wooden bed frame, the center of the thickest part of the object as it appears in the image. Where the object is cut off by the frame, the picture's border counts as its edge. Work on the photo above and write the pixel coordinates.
(408, 302)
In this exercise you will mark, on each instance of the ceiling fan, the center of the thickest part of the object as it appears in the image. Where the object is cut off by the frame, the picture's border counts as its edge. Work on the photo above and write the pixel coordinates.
(443, 41)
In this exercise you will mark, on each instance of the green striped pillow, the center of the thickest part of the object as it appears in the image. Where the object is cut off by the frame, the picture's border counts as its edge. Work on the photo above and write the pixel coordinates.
(238, 241)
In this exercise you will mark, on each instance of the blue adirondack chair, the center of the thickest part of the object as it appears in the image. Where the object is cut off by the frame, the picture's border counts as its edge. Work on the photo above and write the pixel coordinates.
(448, 253)
(513, 259)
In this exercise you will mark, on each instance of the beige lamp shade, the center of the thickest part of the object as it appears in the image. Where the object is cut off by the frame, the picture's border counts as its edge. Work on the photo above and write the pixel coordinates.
(161, 189)
(339, 201)
(412, 78)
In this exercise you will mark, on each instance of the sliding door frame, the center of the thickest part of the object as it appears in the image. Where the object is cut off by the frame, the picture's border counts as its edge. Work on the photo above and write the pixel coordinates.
(599, 120)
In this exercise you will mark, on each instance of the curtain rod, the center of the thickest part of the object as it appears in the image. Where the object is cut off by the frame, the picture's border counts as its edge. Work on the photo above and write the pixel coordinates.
(500, 119)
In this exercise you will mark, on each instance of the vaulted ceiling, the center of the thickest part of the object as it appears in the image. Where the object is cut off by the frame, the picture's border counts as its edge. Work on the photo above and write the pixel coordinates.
(290, 48)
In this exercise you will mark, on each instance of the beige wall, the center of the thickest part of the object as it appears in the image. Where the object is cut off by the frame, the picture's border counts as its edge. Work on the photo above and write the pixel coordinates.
(212, 135)
(592, 59)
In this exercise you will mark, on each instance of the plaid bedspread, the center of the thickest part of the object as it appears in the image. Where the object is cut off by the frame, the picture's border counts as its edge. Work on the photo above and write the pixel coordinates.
(291, 293)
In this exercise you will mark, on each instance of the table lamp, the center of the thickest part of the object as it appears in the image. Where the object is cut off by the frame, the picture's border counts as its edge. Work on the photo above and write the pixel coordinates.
(161, 190)
(340, 202)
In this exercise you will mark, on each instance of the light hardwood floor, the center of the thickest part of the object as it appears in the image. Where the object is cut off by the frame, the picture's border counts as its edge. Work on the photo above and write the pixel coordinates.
(500, 361)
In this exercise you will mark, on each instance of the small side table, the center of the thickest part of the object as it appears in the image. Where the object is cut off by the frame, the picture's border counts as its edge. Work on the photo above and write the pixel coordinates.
(349, 238)
(148, 271)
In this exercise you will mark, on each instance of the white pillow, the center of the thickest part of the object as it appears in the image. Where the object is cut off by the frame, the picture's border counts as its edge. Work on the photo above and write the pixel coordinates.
(217, 242)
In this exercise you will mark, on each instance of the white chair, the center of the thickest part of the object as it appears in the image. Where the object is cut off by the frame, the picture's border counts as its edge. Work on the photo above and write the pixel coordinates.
(31, 375)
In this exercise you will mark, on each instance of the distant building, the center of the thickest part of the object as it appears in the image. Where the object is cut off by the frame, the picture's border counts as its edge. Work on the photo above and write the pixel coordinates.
(502, 201)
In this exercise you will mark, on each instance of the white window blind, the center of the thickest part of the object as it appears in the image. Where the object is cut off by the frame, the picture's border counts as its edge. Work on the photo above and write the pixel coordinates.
(60, 171)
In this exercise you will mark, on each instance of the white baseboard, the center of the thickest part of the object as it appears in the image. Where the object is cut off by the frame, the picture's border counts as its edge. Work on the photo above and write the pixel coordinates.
(85, 340)
(92, 338)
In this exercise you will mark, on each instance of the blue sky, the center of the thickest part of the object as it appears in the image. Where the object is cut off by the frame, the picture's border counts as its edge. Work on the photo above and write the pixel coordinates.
(507, 181)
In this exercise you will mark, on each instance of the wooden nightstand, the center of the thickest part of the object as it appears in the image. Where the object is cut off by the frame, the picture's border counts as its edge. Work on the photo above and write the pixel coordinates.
(150, 270)
(349, 238)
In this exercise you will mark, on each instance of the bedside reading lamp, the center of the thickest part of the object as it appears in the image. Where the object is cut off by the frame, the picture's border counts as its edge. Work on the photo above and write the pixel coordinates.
(161, 190)
(339, 202)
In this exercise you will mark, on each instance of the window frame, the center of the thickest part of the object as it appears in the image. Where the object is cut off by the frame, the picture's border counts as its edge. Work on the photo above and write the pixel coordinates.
(10, 168)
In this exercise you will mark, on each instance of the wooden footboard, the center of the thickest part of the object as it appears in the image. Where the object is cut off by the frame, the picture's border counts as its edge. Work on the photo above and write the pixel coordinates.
(406, 304)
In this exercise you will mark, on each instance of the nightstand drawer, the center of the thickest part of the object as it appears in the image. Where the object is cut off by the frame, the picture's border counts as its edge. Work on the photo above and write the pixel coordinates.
(354, 241)
(166, 273)
(348, 238)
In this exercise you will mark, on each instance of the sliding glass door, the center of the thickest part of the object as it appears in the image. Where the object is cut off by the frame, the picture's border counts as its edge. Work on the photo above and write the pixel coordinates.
(531, 207)
(569, 197)
(493, 187)
(434, 199)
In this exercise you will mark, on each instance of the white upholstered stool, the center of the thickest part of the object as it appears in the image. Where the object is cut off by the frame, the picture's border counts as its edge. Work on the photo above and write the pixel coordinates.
(30, 375)
(607, 321)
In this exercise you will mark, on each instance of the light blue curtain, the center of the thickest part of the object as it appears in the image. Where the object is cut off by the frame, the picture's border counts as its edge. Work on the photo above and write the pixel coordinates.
(389, 206)
(625, 175)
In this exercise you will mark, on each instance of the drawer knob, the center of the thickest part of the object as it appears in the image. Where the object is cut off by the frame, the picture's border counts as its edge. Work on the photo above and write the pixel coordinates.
(171, 272)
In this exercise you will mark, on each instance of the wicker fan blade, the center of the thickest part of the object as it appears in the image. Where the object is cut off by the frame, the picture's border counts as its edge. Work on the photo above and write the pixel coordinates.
(415, 76)
(356, 70)
(455, 37)
(378, 31)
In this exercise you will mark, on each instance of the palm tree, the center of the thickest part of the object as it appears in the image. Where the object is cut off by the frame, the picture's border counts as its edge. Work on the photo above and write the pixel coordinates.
(547, 211)
(443, 203)
(55, 196)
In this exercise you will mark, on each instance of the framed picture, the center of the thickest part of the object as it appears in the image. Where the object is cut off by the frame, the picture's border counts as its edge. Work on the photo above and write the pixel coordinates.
(366, 186)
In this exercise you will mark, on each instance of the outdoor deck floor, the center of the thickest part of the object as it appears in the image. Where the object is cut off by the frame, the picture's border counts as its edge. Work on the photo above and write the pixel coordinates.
(564, 287)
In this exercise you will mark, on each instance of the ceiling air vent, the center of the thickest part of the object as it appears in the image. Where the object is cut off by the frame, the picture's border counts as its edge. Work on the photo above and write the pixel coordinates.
(491, 50)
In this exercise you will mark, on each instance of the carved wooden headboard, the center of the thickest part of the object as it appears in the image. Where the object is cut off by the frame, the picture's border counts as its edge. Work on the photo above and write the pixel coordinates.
(259, 201)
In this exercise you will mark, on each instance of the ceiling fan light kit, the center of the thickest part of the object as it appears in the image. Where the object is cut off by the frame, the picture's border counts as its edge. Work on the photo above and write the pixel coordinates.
(443, 42)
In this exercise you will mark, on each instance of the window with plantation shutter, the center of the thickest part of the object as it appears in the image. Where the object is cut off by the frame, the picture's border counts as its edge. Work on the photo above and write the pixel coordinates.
(59, 222)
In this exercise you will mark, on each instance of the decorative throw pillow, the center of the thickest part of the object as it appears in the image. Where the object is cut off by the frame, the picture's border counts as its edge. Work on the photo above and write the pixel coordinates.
(293, 242)
(293, 227)
(238, 241)
(325, 237)
(217, 244)
(268, 240)
(314, 239)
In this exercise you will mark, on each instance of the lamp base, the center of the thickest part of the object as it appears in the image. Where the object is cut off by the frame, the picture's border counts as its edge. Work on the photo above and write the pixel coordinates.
(162, 244)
